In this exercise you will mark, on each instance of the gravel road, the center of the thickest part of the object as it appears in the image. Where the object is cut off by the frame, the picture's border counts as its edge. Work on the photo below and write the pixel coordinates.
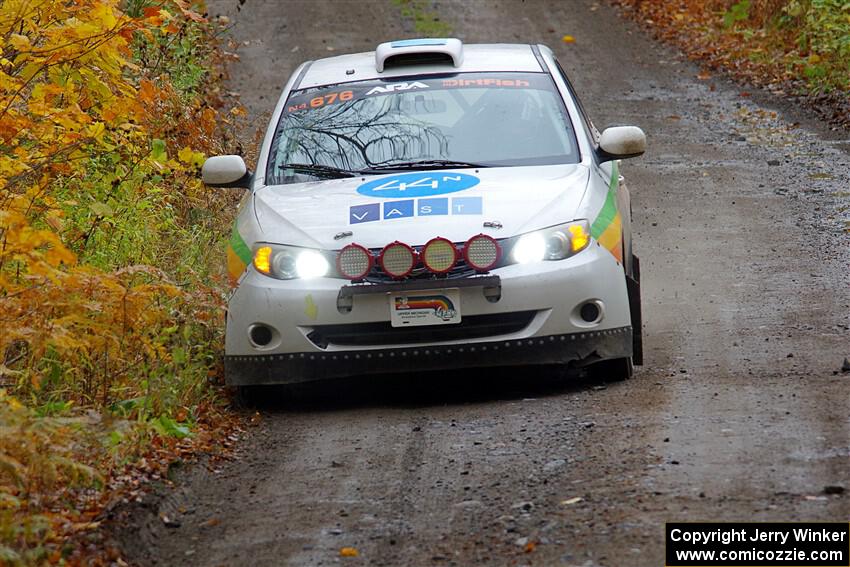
(740, 413)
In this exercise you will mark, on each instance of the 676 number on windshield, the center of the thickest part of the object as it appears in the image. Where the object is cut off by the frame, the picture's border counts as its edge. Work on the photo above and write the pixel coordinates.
(324, 100)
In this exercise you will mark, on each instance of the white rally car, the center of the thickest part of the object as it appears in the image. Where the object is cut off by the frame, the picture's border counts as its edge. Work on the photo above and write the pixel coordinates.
(431, 205)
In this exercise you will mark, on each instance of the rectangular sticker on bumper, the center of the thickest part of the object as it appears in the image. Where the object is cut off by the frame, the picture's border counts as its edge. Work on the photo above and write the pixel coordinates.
(438, 307)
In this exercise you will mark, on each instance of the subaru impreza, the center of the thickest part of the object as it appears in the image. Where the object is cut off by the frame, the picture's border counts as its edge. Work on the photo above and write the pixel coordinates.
(431, 205)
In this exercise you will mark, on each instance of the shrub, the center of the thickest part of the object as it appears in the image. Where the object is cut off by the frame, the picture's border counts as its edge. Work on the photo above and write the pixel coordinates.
(108, 299)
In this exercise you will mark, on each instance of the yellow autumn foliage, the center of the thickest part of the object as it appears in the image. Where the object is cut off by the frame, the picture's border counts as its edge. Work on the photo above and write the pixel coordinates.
(71, 99)
(107, 298)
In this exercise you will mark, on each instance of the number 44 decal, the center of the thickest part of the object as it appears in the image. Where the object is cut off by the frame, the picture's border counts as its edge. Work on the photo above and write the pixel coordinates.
(418, 185)
(397, 185)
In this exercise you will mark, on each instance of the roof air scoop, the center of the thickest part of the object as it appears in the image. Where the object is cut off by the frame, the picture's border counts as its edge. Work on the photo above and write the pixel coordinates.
(418, 51)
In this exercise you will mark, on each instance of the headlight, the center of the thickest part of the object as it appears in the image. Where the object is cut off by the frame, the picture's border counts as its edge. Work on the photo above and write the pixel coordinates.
(290, 262)
(553, 243)
(530, 247)
(311, 264)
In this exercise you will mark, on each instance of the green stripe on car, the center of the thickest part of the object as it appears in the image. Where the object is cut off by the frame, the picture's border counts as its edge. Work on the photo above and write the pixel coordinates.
(609, 209)
(239, 247)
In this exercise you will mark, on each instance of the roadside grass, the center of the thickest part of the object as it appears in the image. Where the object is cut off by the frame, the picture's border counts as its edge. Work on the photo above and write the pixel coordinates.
(793, 47)
(426, 20)
(111, 292)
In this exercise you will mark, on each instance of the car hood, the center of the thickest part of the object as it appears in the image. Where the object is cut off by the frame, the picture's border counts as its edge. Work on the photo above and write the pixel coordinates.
(453, 204)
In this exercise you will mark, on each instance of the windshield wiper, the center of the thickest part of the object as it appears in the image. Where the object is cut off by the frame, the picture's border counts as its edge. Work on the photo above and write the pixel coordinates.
(325, 171)
(427, 164)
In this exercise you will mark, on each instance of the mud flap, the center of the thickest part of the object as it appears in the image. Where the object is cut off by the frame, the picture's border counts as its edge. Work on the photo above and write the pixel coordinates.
(633, 288)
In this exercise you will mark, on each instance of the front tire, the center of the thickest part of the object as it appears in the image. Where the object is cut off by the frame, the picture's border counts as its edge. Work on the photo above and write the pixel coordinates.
(633, 288)
(249, 397)
(613, 370)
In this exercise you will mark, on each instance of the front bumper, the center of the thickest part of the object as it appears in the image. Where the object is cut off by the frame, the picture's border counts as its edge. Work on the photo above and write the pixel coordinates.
(522, 314)
(586, 347)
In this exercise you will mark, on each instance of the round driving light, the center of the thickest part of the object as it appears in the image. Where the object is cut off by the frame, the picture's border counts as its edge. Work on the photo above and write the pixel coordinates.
(439, 255)
(397, 259)
(354, 262)
(530, 247)
(482, 252)
(311, 264)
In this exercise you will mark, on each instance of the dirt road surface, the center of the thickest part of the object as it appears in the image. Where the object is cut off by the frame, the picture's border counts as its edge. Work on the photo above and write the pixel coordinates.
(741, 221)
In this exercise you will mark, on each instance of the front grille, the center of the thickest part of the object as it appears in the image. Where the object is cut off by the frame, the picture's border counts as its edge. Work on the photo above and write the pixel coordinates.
(382, 333)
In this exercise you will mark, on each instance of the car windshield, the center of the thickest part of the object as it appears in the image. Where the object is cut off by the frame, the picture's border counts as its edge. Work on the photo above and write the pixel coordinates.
(479, 119)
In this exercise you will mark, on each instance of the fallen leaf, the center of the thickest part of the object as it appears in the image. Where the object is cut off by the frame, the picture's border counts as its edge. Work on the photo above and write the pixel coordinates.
(348, 552)
(84, 526)
(530, 546)
(54, 221)
(568, 39)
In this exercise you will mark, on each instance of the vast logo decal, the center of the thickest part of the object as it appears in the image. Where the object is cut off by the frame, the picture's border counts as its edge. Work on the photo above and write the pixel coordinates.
(418, 185)
(364, 213)
(389, 210)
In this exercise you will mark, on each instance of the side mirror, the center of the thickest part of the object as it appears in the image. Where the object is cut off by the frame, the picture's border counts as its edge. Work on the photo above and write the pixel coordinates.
(226, 171)
(620, 142)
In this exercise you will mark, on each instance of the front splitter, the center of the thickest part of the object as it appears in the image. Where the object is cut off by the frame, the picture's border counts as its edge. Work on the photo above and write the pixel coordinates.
(576, 348)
